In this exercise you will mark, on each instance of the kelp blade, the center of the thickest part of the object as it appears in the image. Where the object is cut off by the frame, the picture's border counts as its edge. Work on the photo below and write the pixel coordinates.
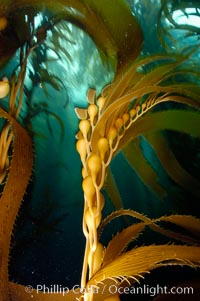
(171, 164)
(12, 196)
(132, 263)
(120, 40)
(111, 189)
(121, 240)
(189, 223)
(172, 120)
(135, 157)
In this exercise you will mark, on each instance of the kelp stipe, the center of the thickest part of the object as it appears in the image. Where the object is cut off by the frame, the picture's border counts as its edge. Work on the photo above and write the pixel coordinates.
(108, 125)
(111, 122)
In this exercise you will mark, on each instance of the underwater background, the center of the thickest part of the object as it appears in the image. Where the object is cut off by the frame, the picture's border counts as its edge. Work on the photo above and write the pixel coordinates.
(48, 242)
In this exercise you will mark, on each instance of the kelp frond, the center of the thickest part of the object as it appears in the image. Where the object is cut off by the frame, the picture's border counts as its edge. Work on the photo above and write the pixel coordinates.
(135, 157)
(132, 263)
(125, 109)
(170, 20)
(112, 190)
(140, 99)
(114, 39)
(121, 266)
(171, 164)
(111, 121)
(10, 202)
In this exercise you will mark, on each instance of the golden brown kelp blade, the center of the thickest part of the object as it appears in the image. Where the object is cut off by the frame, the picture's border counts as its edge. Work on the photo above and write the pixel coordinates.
(154, 225)
(121, 240)
(132, 264)
(143, 90)
(135, 157)
(171, 165)
(129, 76)
(122, 26)
(120, 40)
(189, 223)
(162, 94)
(172, 119)
(133, 76)
(123, 212)
(13, 192)
(112, 190)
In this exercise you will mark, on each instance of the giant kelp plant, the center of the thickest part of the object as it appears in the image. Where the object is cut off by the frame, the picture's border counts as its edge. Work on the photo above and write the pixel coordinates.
(146, 98)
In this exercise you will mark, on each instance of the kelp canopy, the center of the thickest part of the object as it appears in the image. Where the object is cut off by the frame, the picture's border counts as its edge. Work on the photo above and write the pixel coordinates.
(99, 105)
